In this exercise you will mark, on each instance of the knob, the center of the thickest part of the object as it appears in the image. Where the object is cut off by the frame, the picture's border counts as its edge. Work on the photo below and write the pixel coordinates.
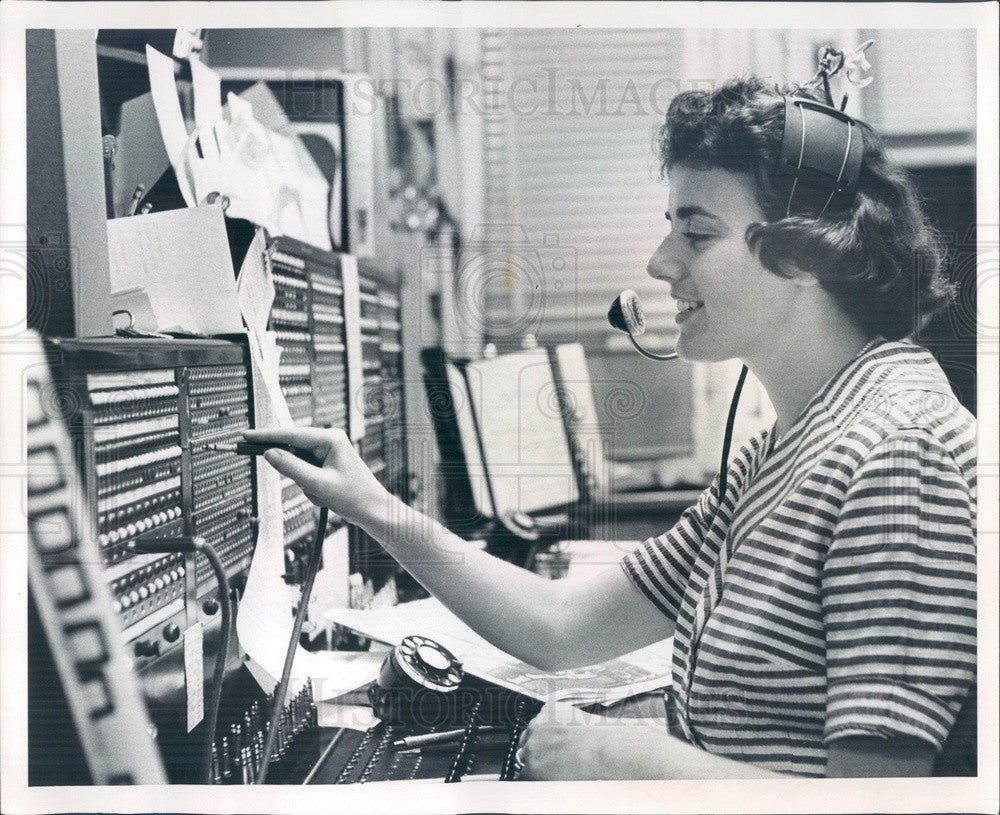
(171, 632)
(210, 606)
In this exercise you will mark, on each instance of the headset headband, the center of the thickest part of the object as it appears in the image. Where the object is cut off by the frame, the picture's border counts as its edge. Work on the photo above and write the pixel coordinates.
(821, 152)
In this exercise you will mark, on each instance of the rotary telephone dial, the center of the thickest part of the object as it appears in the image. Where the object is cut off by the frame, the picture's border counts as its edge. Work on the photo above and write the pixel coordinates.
(436, 721)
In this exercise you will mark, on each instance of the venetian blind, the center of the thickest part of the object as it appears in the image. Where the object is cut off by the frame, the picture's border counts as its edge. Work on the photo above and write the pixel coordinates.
(571, 175)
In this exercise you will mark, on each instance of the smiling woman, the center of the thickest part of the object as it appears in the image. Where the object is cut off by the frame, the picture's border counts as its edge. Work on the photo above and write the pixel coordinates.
(823, 600)
(878, 256)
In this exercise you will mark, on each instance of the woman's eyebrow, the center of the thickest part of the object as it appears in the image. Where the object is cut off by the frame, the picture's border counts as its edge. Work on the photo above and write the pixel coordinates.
(687, 212)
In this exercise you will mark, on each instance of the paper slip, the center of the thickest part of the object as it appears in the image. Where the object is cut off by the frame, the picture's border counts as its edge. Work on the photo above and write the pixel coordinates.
(180, 259)
(255, 284)
(299, 186)
(207, 93)
(355, 362)
(269, 112)
(335, 673)
(264, 621)
(163, 87)
(194, 679)
(353, 717)
(639, 672)
(202, 162)
(270, 407)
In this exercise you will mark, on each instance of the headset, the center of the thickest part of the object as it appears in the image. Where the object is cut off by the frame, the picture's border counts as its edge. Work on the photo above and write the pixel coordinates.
(818, 170)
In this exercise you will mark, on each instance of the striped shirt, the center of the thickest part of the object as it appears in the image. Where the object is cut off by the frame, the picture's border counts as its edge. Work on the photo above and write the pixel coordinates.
(832, 593)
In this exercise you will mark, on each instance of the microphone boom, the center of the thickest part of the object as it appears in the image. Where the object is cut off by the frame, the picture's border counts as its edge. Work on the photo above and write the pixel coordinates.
(626, 315)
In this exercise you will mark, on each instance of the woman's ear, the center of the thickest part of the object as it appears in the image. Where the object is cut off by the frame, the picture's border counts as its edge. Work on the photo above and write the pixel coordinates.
(802, 278)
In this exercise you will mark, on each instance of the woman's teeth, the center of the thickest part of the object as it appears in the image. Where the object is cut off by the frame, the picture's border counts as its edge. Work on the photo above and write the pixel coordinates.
(688, 305)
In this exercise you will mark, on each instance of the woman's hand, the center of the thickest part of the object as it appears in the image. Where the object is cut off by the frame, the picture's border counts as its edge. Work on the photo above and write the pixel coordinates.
(344, 483)
(563, 743)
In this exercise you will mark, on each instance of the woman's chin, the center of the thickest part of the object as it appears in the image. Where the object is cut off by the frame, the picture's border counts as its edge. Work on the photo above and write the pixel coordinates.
(693, 349)
(690, 350)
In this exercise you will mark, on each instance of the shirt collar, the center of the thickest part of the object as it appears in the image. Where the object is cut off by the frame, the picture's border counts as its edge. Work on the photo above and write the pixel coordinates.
(866, 382)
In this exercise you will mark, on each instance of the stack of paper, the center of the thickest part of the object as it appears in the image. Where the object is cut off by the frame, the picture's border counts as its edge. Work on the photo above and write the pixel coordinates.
(608, 682)
(173, 271)
(266, 175)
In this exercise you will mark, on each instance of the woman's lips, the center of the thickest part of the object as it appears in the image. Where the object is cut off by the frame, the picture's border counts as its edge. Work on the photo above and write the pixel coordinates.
(687, 309)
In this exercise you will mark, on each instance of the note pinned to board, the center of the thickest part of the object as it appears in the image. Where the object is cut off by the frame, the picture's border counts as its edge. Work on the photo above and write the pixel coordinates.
(180, 259)
(255, 284)
(265, 619)
(194, 674)
(270, 406)
(352, 328)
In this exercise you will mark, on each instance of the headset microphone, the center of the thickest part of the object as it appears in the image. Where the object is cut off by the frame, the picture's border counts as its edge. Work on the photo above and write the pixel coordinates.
(626, 315)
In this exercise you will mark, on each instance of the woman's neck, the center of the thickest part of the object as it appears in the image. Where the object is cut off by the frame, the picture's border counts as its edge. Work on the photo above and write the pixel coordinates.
(792, 370)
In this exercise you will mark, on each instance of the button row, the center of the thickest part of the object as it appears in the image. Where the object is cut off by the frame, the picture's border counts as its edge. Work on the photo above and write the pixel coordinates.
(129, 531)
(126, 601)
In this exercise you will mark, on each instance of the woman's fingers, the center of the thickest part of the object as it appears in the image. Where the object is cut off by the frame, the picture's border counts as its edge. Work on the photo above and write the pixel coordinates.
(310, 478)
(308, 438)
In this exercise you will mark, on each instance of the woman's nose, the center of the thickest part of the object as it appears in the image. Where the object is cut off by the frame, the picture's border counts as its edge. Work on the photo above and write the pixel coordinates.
(663, 265)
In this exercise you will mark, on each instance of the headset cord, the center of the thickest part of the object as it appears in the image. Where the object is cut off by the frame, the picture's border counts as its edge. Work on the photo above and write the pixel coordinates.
(728, 438)
(286, 671)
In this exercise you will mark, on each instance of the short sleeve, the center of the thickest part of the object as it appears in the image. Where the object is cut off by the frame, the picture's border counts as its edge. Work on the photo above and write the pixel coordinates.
(660, 567)
(899, 595)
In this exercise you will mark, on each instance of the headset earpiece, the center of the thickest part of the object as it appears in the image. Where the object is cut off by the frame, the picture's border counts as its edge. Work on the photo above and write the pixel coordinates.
(821, 153)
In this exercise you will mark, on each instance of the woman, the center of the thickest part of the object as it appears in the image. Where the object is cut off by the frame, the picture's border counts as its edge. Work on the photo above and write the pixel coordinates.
(824, 608)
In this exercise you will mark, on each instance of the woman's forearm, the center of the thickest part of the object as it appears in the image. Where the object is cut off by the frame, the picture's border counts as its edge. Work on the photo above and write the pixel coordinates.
(514, 609)
(549, 624)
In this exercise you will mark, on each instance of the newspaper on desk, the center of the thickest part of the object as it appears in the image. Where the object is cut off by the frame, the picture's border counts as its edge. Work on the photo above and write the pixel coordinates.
(606, 683)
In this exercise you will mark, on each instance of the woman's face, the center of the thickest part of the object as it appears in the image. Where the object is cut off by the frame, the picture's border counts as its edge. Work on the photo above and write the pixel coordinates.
(728, 304)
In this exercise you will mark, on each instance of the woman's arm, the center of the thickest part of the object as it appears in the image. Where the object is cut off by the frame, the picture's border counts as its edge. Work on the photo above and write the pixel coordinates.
(870, 757)
(549, 624)
(564, 743)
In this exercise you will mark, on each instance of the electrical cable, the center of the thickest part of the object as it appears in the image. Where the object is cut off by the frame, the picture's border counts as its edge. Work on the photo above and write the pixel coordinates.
(728, 438)
(286, 671)
(215, 695)
(650, 354)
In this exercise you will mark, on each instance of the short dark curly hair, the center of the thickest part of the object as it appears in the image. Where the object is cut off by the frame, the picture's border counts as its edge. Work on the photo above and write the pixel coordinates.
(881, 259)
